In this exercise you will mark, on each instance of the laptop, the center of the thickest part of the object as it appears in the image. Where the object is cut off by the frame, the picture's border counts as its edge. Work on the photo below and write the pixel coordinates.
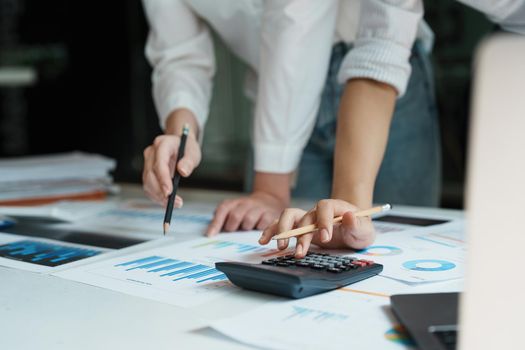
(489, 313)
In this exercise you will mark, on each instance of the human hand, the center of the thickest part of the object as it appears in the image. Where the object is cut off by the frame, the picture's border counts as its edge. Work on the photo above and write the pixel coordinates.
(161, 156)
(255, 211)
(353, 232)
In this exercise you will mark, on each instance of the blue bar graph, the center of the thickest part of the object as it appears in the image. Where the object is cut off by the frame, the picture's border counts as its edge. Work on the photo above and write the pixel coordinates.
(316, 315)
(153, 264)
(43, 253)
(174, 270)
(238, 247)
(141, 261)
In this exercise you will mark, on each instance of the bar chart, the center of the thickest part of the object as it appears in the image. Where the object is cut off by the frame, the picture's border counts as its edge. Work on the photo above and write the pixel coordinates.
(43, 253)
(316, 316)
(239, 248)
(177, 273)
(173, 269)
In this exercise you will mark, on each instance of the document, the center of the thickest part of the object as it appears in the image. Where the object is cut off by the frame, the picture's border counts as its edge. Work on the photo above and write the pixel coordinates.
(357, 317)
(48, 178)
(43, 255)
(70, 211)
(420, 256)
(148, 217)
(181, 274)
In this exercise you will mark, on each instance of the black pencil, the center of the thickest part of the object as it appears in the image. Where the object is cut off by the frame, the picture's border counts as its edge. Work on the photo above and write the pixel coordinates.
(176, 179)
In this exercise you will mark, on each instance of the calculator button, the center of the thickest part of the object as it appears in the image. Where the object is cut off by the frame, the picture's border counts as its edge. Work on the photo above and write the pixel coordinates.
(267, 262)
(334, 270)
(317, 267)
(368, 262)
(283, 263)
(302, 264)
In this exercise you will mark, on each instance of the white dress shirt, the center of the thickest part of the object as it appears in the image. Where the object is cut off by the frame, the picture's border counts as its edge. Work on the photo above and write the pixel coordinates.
(287, 44)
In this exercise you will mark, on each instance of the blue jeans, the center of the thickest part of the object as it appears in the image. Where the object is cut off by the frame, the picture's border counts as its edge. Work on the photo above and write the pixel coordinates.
(410, 173)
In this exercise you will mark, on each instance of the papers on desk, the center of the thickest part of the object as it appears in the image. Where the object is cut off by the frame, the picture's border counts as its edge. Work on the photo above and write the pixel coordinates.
(47, 178)
(174, 271)
(42, 255)
(146, 216)
(70, 211)
(420, 255)
(354, 317)
(181, 274)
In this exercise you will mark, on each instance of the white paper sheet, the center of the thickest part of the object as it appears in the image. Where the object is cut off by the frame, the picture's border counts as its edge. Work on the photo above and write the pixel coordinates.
(44, 255)
(177, 273)
(146, 216)
(420, 256)
(353, 318)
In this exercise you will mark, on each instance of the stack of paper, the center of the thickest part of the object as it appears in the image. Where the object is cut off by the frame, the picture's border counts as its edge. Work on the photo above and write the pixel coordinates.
(47, 178)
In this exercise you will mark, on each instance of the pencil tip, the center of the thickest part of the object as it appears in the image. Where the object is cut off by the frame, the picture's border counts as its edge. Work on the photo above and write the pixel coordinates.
(166, 228)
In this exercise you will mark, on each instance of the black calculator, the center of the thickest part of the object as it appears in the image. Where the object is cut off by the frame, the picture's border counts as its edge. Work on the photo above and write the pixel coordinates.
(298, 278)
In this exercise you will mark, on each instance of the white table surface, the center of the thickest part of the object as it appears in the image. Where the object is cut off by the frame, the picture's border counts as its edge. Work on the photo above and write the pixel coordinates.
(46, 312)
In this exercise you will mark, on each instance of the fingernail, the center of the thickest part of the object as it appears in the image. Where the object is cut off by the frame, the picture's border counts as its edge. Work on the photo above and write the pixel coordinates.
(325, 237)
(178, 202)
(183, 170)
(166, 190)
(280, 244)
(299, 250)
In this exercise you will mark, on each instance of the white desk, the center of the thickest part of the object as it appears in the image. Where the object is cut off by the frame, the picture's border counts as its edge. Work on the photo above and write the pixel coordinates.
(46, 312)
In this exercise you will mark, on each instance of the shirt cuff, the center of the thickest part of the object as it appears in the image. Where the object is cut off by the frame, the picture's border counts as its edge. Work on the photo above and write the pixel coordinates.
(166, 105)
(380, 60)
(276, 158)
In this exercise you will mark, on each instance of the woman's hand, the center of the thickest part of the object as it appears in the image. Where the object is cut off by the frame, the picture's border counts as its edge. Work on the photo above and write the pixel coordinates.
(353, 232)
(270, 196)
(161, 156)
(256, 211)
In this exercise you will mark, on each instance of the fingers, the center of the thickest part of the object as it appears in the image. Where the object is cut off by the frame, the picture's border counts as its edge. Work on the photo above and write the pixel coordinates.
(149, 181)
(286, 222)
(165, 154)
(268, 233)
(266, 220)
(220, 216)
(327, 210)
(159, 163)
(251, 218)
(236, 216)
(304, 241)
(192, 158)
(357, 232)
(325, 219)
(178, 203)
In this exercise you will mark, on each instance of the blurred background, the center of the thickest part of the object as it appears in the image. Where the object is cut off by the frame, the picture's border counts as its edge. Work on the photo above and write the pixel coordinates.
(73, 76)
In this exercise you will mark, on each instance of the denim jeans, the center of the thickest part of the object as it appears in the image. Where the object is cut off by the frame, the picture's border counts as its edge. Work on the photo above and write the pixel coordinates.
(410, 173)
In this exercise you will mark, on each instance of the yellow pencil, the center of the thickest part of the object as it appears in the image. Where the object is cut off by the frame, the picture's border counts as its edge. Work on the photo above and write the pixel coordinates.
(310, 228)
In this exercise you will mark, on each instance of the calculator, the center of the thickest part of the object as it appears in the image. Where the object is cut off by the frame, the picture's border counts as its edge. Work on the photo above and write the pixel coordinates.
(298, 278)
